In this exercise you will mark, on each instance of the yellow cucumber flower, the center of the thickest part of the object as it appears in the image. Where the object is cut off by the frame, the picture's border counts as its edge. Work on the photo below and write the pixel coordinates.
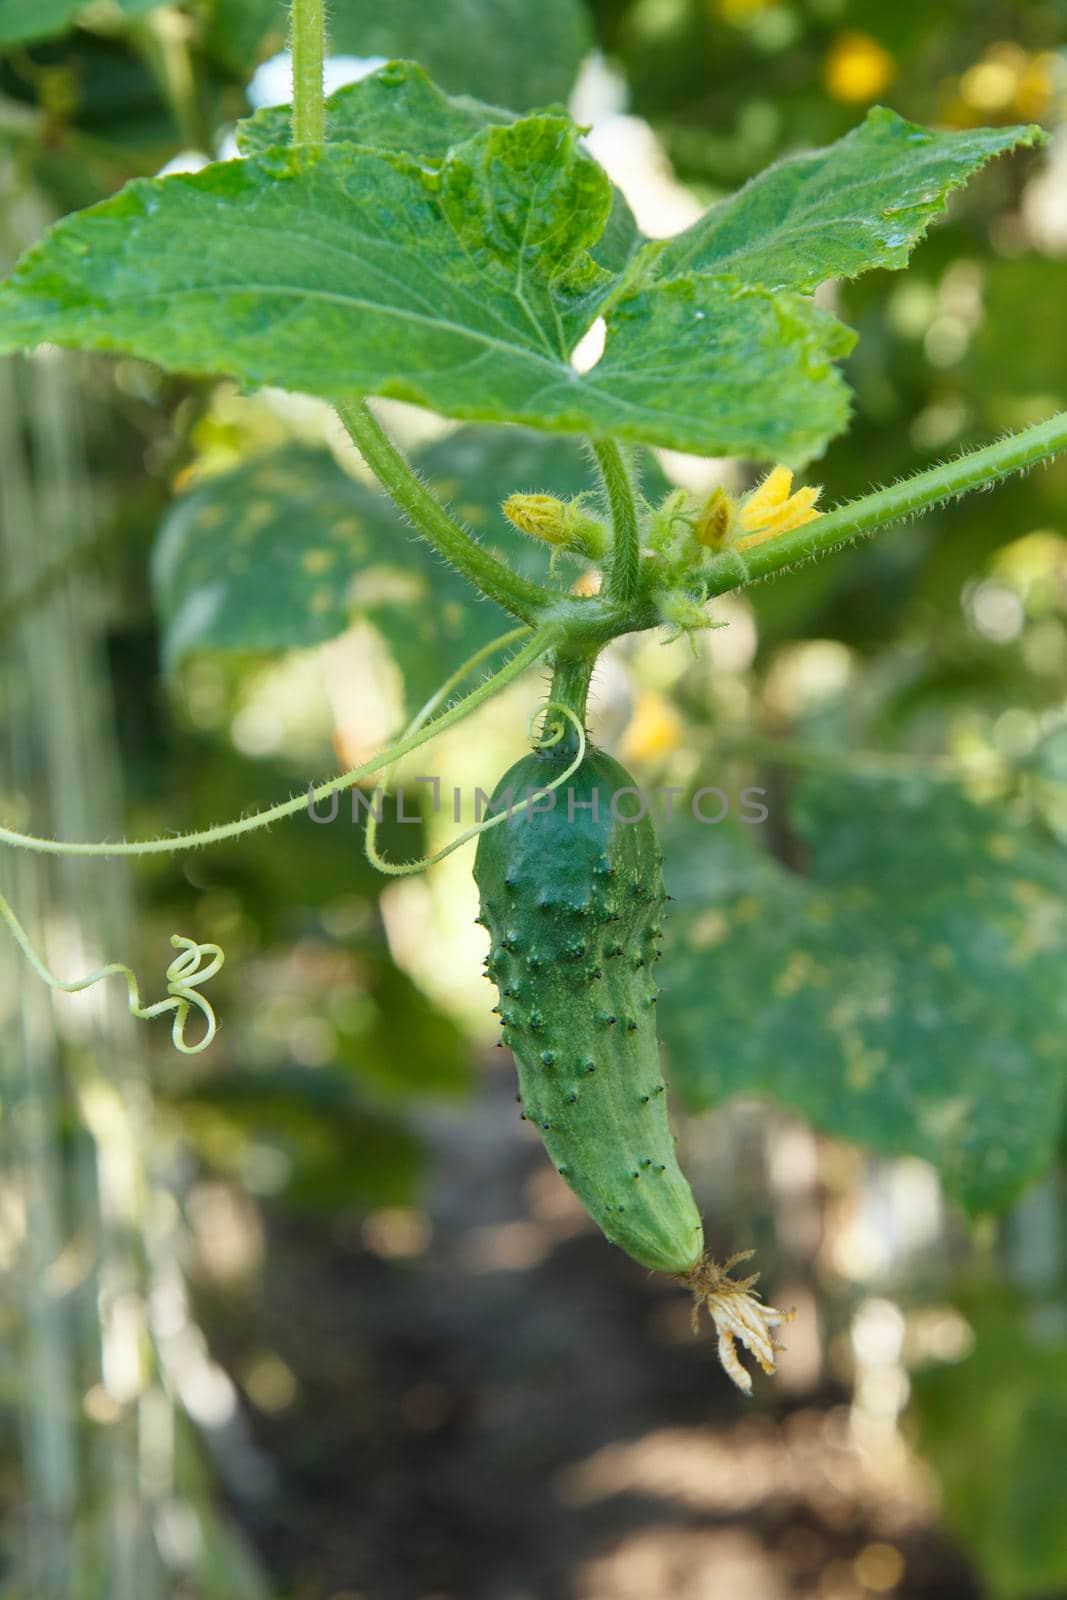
(773, 508)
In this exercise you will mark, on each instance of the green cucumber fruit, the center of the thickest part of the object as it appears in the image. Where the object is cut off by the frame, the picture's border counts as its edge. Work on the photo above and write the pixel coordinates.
(573, 900)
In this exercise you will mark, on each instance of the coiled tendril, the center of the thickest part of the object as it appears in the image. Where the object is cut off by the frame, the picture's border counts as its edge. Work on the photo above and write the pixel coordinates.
(551, 734)
(184, 978)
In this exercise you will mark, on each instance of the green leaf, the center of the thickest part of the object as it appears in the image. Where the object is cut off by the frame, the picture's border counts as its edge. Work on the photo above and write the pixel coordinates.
(343, 269)
(863, 202)
(399, 108)
(24, 21)
(710, 365)
(287, 550)
(526, 206)
(907, 994)
(240, 32)
(504, 51)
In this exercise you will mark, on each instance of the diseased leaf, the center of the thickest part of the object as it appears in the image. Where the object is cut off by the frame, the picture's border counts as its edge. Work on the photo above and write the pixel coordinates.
(263, 557)
(908, 994)
(863, 202)
(287, 550)
(343, 269)
(398, 108)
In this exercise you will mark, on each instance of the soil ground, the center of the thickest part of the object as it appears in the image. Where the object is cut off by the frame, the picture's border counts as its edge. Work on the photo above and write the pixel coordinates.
(492, 1404)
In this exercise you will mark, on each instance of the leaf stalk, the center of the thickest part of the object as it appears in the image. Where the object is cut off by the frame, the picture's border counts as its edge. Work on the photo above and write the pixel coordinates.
(523, 598)
(616, 476)
(307, 44)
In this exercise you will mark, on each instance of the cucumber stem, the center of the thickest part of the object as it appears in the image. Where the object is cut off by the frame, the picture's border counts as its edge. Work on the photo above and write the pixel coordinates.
(522, 597)
(617, 479)
(977, 469)
(307, 34)
(571, 676)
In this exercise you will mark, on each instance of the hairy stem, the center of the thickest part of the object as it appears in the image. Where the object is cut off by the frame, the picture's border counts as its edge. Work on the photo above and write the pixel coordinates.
(618, 486)
(975, 470)
(541, 642)
(307, 30)
(520, 596)
(571, 675)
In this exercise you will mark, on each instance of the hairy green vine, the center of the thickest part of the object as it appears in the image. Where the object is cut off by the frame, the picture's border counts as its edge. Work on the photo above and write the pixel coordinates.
(538, 645)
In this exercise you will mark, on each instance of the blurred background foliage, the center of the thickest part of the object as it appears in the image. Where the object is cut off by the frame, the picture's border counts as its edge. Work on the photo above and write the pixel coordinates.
(307, 1316)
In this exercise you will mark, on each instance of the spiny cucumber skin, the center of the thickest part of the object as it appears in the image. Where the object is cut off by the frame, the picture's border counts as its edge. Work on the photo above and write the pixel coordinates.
(573, 909)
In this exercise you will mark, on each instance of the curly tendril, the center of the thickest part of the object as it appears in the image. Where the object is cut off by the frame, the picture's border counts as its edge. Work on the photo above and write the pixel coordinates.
(186, 973)
(184, 978)
(551, 734)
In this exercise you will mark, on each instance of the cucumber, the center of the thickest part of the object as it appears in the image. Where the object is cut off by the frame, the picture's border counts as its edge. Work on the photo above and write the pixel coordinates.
(573, 900)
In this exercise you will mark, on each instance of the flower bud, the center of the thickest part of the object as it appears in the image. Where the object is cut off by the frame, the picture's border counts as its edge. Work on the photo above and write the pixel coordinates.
(564, 524)
(539, 515)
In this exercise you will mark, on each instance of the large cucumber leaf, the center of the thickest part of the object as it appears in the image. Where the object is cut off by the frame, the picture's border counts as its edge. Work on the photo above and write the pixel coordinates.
(341, 269)
(461, 276)
(907, 992)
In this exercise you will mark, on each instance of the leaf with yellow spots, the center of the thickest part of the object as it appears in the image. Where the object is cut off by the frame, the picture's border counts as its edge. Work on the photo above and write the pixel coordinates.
(287, 550)
(907, 993)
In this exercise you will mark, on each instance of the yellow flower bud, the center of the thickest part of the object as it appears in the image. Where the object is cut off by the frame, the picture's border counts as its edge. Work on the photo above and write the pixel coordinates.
(564, 524)
(539, 515)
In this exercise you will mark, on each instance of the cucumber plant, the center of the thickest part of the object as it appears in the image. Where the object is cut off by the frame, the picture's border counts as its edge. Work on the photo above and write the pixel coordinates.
(395, 241)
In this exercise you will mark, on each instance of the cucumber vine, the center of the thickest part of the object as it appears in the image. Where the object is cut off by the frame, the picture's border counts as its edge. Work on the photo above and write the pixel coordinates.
(456, 263)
